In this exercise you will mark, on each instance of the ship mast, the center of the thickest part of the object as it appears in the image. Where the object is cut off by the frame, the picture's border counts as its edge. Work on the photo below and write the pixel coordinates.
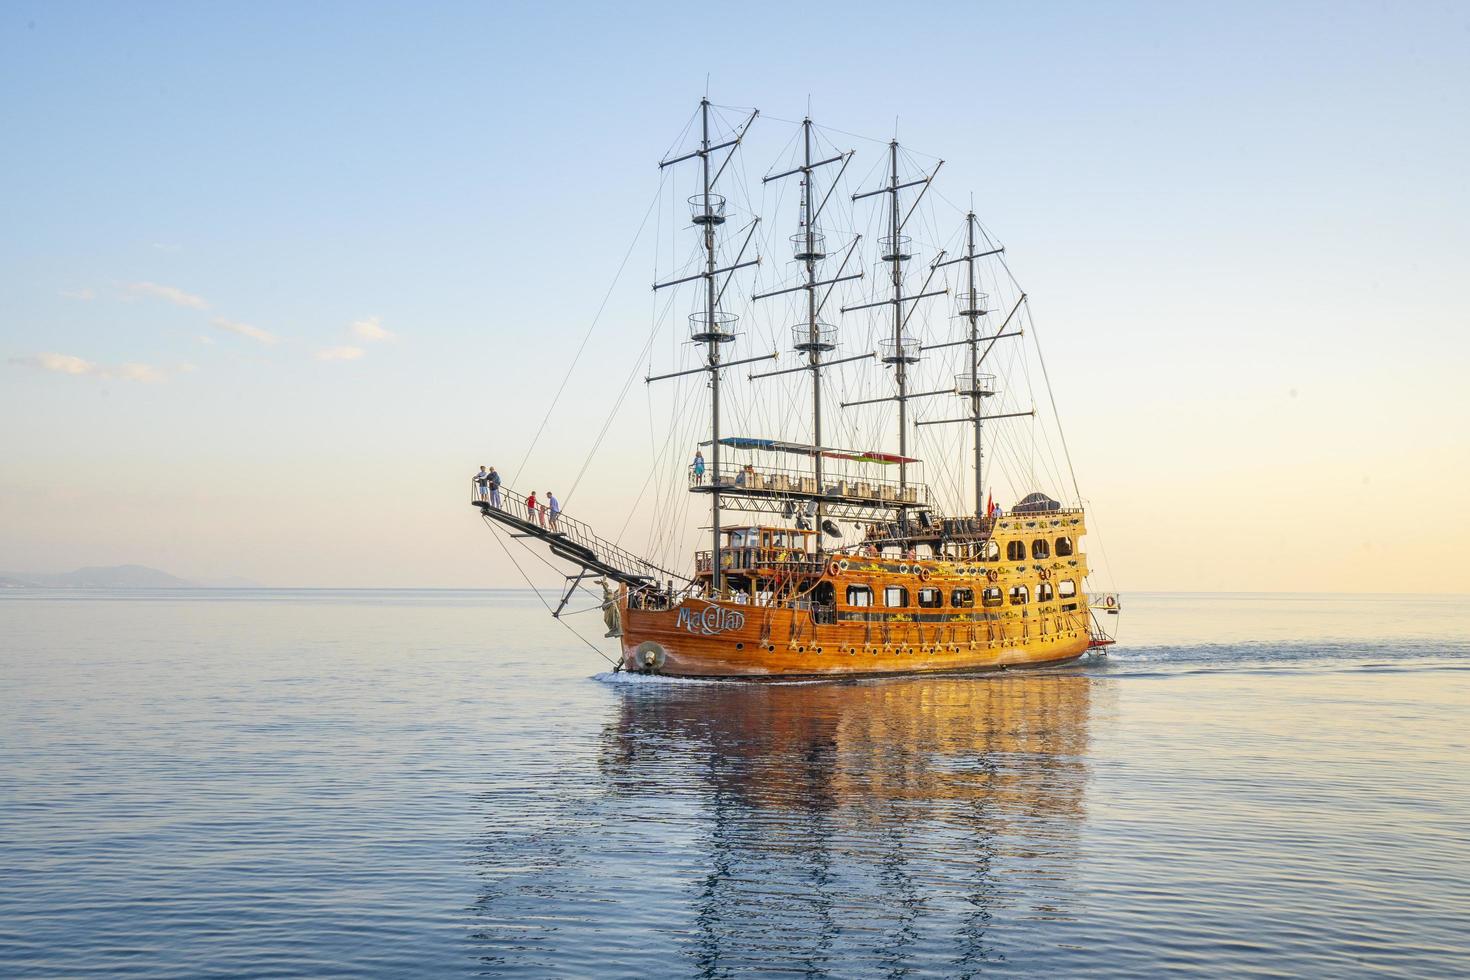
(901, 349)
(813, 337)
(712, 326)
(714, 340)
(973, 305)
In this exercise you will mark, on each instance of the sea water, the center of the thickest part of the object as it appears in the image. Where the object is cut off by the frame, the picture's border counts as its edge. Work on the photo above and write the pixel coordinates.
(439, 784)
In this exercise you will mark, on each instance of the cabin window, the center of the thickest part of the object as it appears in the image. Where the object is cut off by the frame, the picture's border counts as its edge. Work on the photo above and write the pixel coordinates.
(991, 596)
(1066, 588)
(895, 596)
(992, 551)
(1015, 551)
(1040, 548)
(859, 595)
(1064, 547)
(930, 598)
(1020, 595)
(962, 598)
(1044, 592)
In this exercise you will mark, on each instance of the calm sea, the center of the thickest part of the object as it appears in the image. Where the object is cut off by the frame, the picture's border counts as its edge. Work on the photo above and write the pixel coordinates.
(440, 784)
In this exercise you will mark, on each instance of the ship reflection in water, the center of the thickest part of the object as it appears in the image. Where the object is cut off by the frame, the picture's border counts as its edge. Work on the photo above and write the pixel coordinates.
(846, 829)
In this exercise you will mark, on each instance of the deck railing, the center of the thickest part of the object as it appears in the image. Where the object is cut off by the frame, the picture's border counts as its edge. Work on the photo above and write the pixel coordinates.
(779, 481)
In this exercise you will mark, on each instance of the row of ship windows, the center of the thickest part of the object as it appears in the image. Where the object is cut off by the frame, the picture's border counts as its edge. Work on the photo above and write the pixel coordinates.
(897, 596)
(1040, 548)
(1016, 550)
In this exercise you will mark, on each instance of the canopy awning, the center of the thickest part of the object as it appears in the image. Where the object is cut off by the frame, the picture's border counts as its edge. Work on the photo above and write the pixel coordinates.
(801, 449)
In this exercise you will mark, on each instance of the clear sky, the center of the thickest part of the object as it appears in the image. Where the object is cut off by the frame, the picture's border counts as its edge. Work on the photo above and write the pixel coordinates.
(275, 278)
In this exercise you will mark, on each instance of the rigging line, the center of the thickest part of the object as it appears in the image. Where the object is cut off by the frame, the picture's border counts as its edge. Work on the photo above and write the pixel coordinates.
(1050, 394)
(618, 404)
(491, 525)
(588, 335)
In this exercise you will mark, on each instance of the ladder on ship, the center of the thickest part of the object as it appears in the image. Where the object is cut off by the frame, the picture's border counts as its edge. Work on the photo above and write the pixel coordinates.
(571, 540)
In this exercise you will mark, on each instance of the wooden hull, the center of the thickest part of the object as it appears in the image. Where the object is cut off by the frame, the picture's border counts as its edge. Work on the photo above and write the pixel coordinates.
(699, 638)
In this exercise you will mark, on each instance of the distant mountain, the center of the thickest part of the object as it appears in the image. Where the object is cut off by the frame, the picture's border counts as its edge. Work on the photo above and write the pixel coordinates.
(111, 577)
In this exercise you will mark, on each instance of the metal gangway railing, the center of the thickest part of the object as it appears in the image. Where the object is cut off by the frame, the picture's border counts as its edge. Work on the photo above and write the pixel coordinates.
(567, 537)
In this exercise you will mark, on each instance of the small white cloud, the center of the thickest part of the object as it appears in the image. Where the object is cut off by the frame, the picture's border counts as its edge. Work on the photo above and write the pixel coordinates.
(83, 295)
(71, 364)
(371, 328)
(173, 294)
(146, 373)
(339, 353)
(60, 363)
(244, 330)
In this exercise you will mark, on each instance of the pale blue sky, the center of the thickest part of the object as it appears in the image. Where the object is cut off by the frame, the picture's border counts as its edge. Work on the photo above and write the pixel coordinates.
(1243, 229)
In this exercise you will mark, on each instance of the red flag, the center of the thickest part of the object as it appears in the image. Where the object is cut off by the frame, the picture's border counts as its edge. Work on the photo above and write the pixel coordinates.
(989, 505)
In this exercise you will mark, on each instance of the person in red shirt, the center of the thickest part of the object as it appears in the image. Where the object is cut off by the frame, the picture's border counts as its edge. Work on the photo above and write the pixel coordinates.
(531, 507)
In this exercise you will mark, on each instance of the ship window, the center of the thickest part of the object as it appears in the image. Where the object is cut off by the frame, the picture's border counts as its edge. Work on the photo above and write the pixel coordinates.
(1015, 551)
(1020, 595)
(1040, 548)
(962, 598)
(1064, 547)
(992, 551)
(895, 596)
(859, 595)
(1066, 588)
(991, 596)
(930, 598)
(1044, 592)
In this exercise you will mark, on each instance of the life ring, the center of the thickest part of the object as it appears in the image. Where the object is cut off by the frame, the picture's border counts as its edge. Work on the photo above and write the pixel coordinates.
(649, 656)
(833, 568)
(903, 569)
(1112, 602)
(923, 575)
(992, 576)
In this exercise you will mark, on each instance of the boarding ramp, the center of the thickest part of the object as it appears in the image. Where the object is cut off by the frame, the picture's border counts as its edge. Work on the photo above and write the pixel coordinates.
(569, 539)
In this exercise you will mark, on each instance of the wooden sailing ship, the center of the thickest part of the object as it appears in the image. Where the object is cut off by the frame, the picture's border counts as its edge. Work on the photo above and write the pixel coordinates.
(906, 588)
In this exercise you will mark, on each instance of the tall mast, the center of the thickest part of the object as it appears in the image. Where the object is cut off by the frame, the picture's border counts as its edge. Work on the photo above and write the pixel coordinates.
(717, 575)
(900, 349)
(812, 336)
(973, 312)
(711, 326)
(896, 257)
(809, 252)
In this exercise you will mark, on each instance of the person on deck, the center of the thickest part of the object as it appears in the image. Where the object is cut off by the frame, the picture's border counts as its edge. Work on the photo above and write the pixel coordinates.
(554, 506)
(531, 507)
(493, 482)
(698, 467)
(482, 484)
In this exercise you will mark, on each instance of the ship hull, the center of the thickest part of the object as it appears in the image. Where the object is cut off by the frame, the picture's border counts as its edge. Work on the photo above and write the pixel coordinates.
(699, 638)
